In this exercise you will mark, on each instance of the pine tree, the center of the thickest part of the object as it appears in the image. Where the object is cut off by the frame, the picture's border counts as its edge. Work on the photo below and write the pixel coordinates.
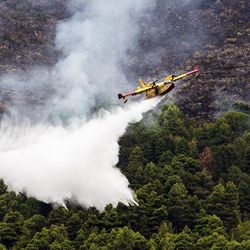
(224, 202)
(11, 228)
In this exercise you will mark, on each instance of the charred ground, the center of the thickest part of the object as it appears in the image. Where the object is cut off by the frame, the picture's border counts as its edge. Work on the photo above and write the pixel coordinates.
(174, 37)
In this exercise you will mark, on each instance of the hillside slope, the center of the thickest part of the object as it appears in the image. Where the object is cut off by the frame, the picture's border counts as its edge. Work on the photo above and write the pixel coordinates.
(174, 37)
(189, 169)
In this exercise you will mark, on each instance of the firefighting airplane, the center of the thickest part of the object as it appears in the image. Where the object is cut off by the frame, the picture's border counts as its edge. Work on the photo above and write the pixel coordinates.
(153, 89)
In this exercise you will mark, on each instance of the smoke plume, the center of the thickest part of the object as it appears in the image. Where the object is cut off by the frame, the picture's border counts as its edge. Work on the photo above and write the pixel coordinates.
(67, 154)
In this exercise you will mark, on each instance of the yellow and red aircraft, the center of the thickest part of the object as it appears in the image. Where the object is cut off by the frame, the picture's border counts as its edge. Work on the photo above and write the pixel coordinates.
(153, 89)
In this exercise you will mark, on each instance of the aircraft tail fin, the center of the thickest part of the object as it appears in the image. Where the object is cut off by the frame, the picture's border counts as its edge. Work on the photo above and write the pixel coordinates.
(120, 96)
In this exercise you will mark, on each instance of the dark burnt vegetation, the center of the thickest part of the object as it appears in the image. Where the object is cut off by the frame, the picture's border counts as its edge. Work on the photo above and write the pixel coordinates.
(211, 34)
(27, 33)
(174, 37)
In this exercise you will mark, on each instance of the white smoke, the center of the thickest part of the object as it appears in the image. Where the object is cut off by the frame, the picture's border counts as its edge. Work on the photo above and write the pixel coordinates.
(54, 163)
(95, 42)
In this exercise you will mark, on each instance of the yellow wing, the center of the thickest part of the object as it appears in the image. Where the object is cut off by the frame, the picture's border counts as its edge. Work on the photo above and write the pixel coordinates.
(176, 78)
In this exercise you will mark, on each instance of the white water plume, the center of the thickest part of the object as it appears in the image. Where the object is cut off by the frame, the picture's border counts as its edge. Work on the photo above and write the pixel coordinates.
(55, 164)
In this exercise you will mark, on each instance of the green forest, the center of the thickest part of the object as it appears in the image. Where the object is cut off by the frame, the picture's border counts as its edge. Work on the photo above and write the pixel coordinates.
(188, 162)
(191, 181)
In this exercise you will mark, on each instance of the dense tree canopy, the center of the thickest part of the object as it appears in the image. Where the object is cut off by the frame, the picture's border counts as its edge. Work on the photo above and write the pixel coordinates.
(192, 184)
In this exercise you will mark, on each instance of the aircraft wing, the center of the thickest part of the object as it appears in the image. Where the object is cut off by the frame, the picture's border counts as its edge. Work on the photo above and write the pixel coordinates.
(139, 90)
(173, 78)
